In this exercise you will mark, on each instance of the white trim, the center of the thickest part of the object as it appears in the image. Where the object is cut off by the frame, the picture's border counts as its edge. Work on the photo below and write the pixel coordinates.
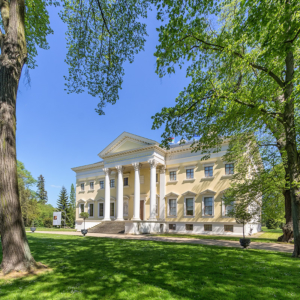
(207, 178)
(79, 208)
(173, 170)
(91, 181)
(184, 207)
(172, 181)
(190, 167)
(212, 164)
(81, 200)
(189, 193)
(189, 180)
(208, 191)
(227, 176)
(213, 206)
(100, 184)
(126, 175)
(172, 194)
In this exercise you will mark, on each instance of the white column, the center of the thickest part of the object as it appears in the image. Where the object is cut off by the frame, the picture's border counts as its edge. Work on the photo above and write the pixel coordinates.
(162, 192)
(107, 195)
(137, 193)
(153, 163)
(120, 194)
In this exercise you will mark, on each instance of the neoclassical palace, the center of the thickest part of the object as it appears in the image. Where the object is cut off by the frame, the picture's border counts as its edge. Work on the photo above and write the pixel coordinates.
(156, 190)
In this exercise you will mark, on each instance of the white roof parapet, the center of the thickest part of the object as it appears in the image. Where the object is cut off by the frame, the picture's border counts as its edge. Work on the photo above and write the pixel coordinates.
(99, 164)
(189, 193)
(208, 191)
(172, 194)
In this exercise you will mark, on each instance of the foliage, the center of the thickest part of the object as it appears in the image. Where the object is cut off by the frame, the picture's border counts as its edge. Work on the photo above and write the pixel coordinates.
(271, 224)
(62, 202)
(48, 222)
(102, 35)
(128, 267)
(84, 215)
(72, 197)
(259, 174)
(41, 192)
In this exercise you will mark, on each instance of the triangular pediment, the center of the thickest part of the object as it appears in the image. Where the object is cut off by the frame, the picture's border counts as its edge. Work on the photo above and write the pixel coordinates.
(126, 142)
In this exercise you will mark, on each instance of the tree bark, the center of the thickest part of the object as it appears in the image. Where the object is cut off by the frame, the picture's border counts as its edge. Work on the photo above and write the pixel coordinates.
(15, 248)
(287, 229)
(292, 152)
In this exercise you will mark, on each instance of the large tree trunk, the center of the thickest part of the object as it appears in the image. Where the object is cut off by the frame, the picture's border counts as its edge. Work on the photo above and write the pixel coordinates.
(16, 252)
(292, 152)
(287, 229)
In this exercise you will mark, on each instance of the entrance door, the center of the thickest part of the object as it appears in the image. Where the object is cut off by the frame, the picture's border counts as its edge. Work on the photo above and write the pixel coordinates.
(142, 209)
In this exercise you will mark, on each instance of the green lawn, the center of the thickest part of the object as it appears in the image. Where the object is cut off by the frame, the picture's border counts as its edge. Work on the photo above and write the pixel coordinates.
(269, 236)
(50, 229)
(102, 268)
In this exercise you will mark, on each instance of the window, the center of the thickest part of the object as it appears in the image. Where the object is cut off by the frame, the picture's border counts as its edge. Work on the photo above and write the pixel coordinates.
(82, 186)
(172, 207)
(91, 212)
(173, 176)
(172, 226)
(91, 185)
(156, 209)
(227, 209)
(189, 173)
(189, 207)
(208, 205)
(81, 208)
(156, 177)
(228, 228)
(112, 209)
(207, 227)
(101, 182)
(229, 169)
(101, 209)
(189, 227)
(112, 183)
(125, 181)
(208, 171)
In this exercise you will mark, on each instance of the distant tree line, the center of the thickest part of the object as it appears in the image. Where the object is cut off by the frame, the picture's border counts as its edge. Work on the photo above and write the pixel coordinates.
(35, 209)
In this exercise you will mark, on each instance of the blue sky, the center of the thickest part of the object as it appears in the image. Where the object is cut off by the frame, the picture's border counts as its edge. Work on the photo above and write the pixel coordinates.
(57, 131)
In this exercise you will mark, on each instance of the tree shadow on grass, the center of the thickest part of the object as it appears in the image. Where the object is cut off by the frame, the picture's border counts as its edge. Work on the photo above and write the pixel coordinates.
(102, 268)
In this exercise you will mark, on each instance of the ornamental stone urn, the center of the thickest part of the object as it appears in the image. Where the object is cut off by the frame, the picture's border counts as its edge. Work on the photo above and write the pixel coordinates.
(32, 228)
(244, 242)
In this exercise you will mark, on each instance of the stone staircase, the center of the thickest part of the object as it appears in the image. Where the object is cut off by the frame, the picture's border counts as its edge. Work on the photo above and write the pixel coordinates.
(113, 227)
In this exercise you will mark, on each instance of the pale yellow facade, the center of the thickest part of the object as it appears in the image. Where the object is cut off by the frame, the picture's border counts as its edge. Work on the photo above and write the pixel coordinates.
(130, 154)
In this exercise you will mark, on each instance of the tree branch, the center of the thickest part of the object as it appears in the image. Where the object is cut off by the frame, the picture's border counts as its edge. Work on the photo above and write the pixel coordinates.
(4, 8)
(103, 18)
(292, 40)
(221, 48)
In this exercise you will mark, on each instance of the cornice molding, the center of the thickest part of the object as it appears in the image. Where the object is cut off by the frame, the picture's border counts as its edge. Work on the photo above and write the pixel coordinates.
(88, 167)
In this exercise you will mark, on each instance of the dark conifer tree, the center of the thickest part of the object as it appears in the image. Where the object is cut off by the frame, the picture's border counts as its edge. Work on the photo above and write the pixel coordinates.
(42, 196)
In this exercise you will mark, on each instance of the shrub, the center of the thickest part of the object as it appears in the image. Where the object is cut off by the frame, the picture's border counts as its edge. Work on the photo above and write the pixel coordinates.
(48, 222)
(271, 224)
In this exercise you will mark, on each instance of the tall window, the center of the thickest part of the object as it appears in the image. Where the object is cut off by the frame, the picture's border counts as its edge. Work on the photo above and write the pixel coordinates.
(229, 169)
(189, 207)
(156, 209)
(112, 209)
(81, 208)
(156, 177)
(189, 173)
(125, 181)
(172, 207)
(228, 208)
(208, 171)
(101, 209)
(173, 176)
(112, 183)
(82, 186)
(91, 185)
(91, 210)
(101, 182)
(208, 203)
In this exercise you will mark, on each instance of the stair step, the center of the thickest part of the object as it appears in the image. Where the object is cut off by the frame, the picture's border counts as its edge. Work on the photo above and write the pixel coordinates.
(113, 227)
